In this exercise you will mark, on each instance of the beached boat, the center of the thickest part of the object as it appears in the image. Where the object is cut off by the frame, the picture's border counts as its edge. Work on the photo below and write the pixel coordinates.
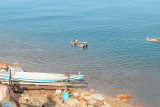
(15, 75)
(37, 76)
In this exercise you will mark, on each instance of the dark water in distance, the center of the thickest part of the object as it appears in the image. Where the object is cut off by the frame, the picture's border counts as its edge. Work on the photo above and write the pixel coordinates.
(37, 34)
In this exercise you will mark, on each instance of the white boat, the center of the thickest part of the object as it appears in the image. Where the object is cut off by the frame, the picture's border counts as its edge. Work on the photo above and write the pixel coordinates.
(36, 76)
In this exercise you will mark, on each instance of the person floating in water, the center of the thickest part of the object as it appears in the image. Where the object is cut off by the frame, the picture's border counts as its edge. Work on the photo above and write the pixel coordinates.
(81, 44)
(153, 39)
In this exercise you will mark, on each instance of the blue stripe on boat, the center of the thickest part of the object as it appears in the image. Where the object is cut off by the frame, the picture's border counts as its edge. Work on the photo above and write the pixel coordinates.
(4, 75)
(38, 79)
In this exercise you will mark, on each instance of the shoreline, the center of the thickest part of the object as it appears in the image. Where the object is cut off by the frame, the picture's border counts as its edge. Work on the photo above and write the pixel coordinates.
(84, 98)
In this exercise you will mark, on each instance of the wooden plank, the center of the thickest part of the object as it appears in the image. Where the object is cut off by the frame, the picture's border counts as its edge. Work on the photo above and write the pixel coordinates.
(41, 87)
(34, 83)
(48, 84)
(70, 84)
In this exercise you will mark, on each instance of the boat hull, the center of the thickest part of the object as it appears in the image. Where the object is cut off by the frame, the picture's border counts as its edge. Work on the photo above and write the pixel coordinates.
(37, 76)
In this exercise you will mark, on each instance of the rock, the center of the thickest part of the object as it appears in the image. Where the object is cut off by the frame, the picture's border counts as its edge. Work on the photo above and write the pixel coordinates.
(87, 98)
(80, 98)
(106, 105)
(91, 90)
(124, 100)
(71, 102)
(118, 99)
(58, 91)
(26, 96)
(82, 103)
(76, 94)
(91, 101)
(98, 96)
(90, 106)
(23, 100)
(49, 104)
(82, 94)
(87, 93)
(16, 64)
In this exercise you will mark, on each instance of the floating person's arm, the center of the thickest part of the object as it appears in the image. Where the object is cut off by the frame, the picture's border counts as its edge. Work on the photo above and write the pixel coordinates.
(81, 45)
(83, 42)
(72, 43)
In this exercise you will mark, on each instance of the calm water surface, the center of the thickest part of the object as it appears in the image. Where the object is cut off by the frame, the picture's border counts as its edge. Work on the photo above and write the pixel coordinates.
(37, 34)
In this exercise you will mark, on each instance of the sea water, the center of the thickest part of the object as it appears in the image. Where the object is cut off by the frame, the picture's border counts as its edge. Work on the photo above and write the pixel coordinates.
(118, 59)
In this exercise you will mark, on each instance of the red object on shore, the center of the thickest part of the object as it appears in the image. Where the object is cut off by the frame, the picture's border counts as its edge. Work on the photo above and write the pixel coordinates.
(124, 96)
(5, 64)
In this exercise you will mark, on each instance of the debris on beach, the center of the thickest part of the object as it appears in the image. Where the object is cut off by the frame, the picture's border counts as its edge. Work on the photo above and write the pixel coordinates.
(124, 96)
(91, 90)
(78, 98)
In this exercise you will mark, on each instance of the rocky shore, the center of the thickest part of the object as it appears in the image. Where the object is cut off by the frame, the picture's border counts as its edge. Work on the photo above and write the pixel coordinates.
(78, 98)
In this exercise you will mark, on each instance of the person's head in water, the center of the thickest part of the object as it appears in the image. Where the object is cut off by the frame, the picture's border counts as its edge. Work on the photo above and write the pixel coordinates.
(75, 40)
